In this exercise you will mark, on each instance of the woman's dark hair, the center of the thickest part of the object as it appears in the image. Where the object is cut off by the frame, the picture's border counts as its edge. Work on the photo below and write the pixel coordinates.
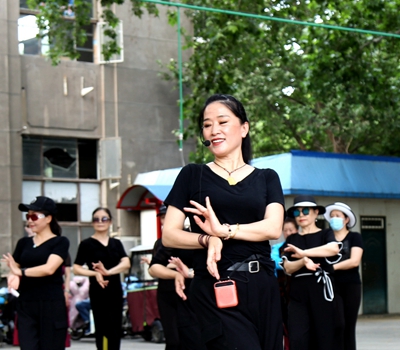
(102, 208)
(54, 226)
(238, 110)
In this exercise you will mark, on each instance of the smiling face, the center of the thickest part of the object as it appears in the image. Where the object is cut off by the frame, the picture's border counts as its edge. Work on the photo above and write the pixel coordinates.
(223, 129)
(41, 222)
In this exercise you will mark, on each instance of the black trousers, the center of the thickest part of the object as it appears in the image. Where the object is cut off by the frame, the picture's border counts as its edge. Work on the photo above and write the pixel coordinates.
(107, 315)
(42, 325)
(349, 300)
(255, 323)
(311, 317)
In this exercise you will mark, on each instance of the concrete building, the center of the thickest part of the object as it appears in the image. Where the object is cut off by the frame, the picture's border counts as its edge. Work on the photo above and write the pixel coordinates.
(368, 184)
(81, 131)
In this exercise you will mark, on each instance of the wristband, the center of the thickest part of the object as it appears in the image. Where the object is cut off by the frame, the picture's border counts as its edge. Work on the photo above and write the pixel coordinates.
(23, 272)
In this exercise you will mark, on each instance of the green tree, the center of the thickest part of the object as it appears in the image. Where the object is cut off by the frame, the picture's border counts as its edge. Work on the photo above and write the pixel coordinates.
(303, 87)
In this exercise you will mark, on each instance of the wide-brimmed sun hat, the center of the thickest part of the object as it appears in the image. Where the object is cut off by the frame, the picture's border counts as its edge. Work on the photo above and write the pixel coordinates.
(345, 209)
(305, 202)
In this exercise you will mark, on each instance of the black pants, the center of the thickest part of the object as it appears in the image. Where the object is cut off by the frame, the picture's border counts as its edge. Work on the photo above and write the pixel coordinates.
(349, 299)
(311, 317)
(42, 325)
(168, 307)
(107, 315)
(255, 323)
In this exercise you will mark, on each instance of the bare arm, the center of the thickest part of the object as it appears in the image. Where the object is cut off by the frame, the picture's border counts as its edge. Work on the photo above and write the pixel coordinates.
(161, 271)
(53, 262)
(323, 251)
(354, 261)
(293, 266)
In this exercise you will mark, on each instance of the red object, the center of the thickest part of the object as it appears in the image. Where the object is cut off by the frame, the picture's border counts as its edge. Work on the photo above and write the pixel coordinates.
(143, 308)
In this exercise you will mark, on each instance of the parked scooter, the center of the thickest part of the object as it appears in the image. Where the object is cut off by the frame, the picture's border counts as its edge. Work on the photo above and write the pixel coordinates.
(7, 316)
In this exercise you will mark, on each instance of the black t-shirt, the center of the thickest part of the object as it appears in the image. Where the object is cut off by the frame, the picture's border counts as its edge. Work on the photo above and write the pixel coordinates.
(312, 240)
(92, 251)
(28, 255)
(352, 239)
(243, 203)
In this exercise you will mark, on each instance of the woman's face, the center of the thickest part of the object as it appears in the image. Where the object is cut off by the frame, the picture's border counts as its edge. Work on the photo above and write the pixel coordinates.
(339, 214)
(40, 223)
(101, 220)
(288, 229)
(223, 129)
(304, 220)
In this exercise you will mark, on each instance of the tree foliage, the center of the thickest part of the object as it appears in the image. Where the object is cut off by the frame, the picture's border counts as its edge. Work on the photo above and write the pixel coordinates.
(303, 87)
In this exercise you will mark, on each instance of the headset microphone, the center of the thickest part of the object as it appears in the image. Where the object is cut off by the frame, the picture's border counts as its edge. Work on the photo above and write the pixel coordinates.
(206, 143)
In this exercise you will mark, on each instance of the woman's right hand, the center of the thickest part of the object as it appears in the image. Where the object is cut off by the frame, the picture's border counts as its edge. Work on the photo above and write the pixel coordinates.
(100, 280)
(13, 281)
(180, 286)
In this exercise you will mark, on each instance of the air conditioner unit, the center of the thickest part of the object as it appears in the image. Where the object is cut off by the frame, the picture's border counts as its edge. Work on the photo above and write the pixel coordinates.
(103, 39)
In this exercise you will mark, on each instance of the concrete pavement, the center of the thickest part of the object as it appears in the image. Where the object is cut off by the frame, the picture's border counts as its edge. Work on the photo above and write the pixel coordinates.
(373, 333)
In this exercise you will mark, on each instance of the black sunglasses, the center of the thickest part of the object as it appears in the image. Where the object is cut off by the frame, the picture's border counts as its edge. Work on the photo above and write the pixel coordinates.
(103, 219)
(297, 212)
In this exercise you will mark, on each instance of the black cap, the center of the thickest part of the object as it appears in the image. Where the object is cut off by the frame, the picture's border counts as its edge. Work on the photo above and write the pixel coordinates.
(40, 203)
(162, 210)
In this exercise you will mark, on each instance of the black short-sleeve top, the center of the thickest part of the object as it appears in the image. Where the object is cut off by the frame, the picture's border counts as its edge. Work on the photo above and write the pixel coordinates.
(27, 255)
(312, 240)
(352, 239)
(91, 251)
(242, 203)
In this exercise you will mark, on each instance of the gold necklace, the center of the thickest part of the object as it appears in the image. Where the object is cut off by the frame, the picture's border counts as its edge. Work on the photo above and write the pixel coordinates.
(230, 179)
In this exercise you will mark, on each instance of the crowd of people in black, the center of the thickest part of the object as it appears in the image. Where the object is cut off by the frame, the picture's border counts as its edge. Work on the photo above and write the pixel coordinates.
(219, 288)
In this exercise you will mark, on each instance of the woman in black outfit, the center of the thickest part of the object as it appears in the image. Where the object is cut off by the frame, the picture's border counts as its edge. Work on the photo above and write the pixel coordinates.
(105, 258)
(311, 308)
(347, 276)
(37, 273)
(234, 210)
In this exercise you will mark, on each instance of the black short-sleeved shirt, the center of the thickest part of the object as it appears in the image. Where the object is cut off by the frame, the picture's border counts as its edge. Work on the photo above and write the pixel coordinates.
(28, 255)
(92, 251)
(312, 240)
(242, 203)
(352, 239)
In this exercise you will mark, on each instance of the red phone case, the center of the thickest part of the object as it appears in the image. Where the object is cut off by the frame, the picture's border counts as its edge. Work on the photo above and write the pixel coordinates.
(226, 294)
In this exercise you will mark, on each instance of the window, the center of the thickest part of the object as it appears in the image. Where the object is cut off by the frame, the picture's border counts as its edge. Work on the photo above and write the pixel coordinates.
(65, 170)
(29, 44)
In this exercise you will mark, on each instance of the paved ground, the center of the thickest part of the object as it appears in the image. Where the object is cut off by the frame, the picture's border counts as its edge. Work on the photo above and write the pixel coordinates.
(373, 333)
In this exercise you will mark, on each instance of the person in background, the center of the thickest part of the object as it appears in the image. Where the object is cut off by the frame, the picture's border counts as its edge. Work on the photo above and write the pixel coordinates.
(289, 227)
(79, 290)
(36, 272)
(105, 258)
(311, 310)
(181, 329)
(347, 277)
(234, 210)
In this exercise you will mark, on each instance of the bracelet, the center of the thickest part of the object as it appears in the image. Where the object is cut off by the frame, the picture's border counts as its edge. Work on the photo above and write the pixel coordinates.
(236, 231)
(229, 231)
(200, 239)
(190, 273)
(23, 272)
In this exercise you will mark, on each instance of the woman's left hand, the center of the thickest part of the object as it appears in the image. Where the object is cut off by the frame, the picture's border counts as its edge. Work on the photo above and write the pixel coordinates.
(211, 224)
(14, 267)
(297, 252)
(213, 256)
(99, 267)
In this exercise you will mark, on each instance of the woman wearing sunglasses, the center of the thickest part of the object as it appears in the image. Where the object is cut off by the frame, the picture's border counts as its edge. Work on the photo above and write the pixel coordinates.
(37, 274)
(347, 277)
(105, 258)
(311, 311)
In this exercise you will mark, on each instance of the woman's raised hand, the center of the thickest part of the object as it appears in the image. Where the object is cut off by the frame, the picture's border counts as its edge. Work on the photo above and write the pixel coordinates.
(99, 267)
(14, 268)
(297, 252)
(211, 224)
